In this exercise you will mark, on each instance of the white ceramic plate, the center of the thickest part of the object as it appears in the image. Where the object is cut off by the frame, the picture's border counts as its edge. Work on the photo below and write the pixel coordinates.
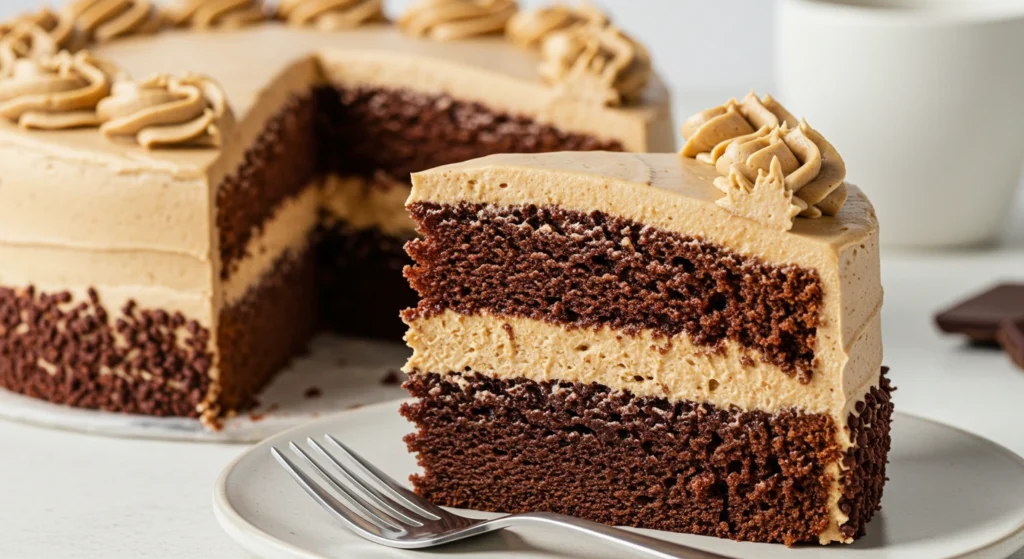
(950, 494)
(347, 372)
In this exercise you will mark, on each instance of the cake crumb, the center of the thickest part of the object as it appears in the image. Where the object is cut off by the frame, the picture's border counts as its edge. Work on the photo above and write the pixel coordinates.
(392, 378)
(313, 392)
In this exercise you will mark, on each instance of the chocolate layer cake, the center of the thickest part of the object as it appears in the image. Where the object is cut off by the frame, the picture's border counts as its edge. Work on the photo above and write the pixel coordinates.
(172, 267)
(606, 335)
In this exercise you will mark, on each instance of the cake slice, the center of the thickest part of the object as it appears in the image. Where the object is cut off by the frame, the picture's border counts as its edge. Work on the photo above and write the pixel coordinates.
(609, 336)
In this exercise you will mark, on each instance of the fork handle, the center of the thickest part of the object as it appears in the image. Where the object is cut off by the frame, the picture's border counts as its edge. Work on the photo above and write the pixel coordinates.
(637, 543)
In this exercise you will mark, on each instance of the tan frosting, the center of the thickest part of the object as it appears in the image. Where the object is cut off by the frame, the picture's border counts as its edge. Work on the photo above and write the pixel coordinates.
(167, 111)
(446, 20)
(597, 62)
(60, 28)
(746, 136)
(377, 203)
(205, 14)
(529, 28)
(767, 200)
(330, 15)
(53, 92)
(641, 363)
(103, 20)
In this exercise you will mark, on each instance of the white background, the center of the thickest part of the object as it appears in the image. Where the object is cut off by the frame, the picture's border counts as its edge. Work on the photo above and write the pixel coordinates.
(64, 495)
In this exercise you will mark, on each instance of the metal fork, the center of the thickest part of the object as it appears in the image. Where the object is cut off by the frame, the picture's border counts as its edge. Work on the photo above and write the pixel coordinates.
(379, 509)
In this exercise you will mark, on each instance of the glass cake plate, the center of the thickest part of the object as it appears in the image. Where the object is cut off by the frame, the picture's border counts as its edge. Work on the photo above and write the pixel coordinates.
(951, 494)
(337, 374)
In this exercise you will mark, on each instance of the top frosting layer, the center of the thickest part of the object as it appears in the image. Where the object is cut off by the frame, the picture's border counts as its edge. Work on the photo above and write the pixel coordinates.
(747, 137)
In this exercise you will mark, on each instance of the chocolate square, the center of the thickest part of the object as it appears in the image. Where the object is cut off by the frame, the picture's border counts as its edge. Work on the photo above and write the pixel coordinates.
(980, 317)
(1011, 338)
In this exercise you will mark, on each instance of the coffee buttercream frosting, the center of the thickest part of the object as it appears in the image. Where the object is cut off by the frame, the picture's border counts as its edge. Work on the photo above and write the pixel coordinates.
(446, 20)
(746, 136)
(598, 61)
(59, 27)
(330, 14)
(529, 28)
(103, 20)
(766, 200)
(164, 110)
(205, 14)
(54, 92)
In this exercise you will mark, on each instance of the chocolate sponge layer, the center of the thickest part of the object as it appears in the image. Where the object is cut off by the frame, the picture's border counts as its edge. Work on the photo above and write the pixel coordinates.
(590, 269)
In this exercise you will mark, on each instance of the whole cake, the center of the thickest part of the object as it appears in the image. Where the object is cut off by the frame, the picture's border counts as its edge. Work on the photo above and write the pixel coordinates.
(189, 192)
(681, 342)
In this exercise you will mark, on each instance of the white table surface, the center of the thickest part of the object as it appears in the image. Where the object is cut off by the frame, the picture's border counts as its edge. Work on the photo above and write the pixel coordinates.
(68, 495)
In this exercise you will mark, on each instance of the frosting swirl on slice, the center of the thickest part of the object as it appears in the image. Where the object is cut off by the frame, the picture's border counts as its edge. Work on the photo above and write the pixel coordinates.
(206, 14)
(446, 20)
(331, 15)
(167, 111)
(103, 20)
(766, 200)
(529, 28)
(598, 61)
(54, 92)
(747, 136)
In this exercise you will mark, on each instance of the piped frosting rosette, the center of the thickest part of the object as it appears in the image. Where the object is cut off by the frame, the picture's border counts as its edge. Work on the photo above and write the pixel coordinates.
(330, 15)
(54, 92)
(207, 14)
(596, 60)
(58, 26)
(164, 111)
(529, 28)
(449, 20)
(103, 20)
(746, 137)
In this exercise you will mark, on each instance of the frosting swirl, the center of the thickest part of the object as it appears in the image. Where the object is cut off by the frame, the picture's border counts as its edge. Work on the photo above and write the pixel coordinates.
(25, 31)
(206, 14)
(103, 20)
(330, 15)
(54, 92)
(598, 61)
(766, 200)
(167, 111)
(529, 28)
(747, 136)
(446, 20)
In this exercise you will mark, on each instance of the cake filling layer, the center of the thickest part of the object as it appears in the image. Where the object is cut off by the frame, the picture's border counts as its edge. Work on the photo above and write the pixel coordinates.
(673, 368)
(288, 230)
(587, 270)
(516, 445)
(364, 203)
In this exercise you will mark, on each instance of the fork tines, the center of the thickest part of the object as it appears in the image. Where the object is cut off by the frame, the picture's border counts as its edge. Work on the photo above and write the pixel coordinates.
(364, 498)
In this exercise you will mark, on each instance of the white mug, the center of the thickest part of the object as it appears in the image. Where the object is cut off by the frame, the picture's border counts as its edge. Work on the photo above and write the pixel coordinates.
(924, 99)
